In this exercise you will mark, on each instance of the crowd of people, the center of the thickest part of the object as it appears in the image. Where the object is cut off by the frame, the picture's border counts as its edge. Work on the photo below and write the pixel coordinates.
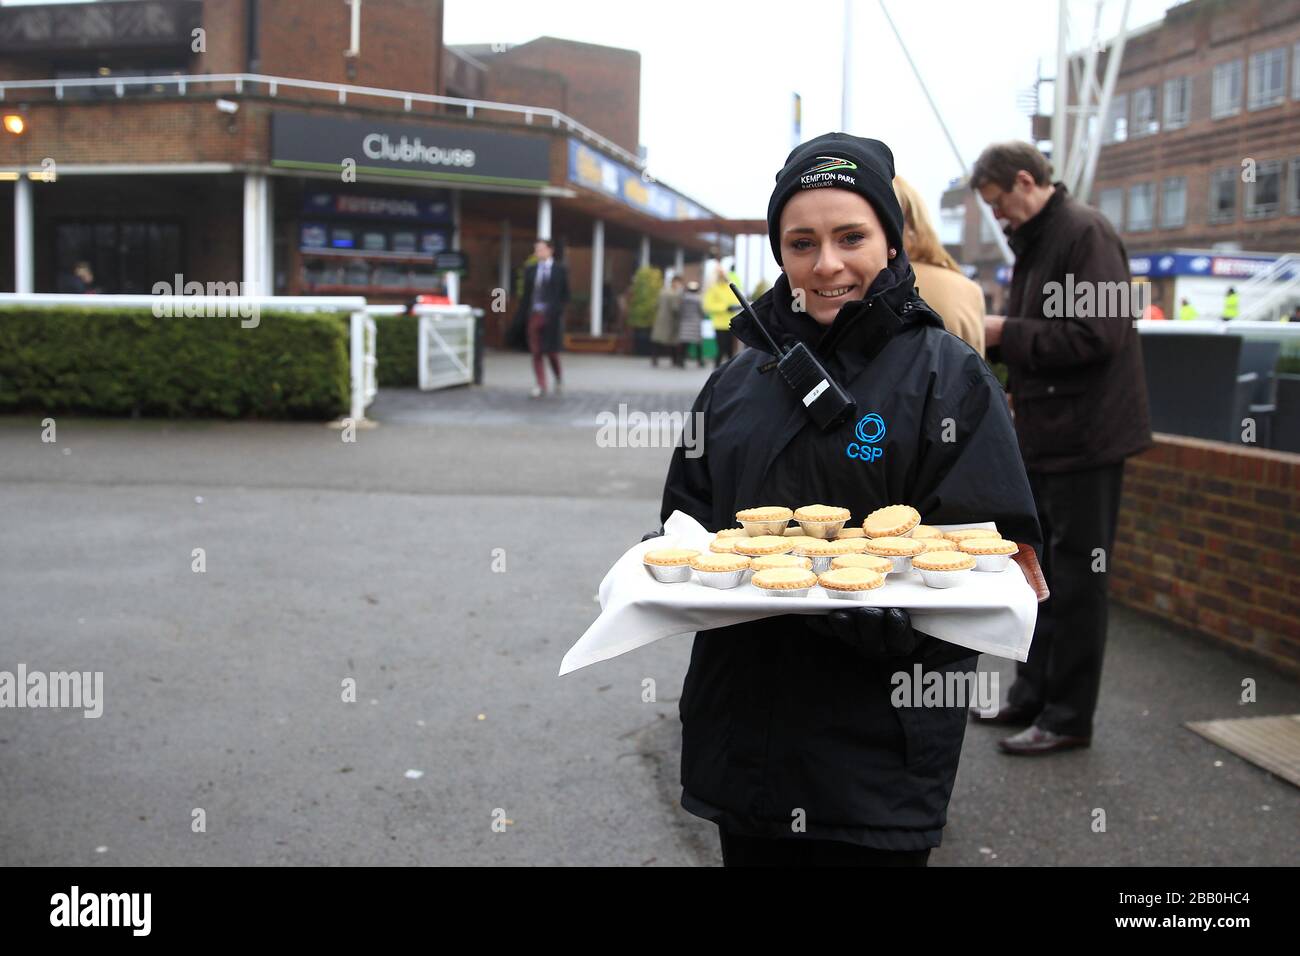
(684, 317)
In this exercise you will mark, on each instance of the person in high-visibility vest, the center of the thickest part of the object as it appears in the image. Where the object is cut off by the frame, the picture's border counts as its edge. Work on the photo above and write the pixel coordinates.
(720, 305)
(1230, 305)
(1185, 310)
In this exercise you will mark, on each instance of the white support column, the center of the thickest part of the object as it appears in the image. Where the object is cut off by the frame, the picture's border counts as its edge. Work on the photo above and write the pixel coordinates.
(254, 233)
(268, 236)
(452, 279)
(597, 274)
(742, 263)
(24, 241)
(679, 264)
(1060, 88)
(645, 251)
(544, 218)
(503, 262)
(846, 74)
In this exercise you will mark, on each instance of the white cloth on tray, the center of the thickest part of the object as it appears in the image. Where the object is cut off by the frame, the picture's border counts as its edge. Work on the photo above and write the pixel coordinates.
(993, 613)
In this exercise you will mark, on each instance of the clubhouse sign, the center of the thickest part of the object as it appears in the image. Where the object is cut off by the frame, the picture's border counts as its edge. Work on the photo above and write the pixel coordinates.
(420, 152)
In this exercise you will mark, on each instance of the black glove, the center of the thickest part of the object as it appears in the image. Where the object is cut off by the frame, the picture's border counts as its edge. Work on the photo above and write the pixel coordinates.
(875, 633)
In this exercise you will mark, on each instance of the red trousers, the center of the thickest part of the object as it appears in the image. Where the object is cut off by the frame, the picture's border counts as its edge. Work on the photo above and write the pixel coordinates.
(536, 323)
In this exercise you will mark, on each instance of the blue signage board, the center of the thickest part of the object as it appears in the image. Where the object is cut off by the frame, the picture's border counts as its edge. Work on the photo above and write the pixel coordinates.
(434, 209)
(1161, 265)
(598, 172)
(1156, 265)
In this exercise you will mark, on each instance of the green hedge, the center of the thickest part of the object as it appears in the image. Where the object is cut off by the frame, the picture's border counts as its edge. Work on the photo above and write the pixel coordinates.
(397, 351)
(126, 361)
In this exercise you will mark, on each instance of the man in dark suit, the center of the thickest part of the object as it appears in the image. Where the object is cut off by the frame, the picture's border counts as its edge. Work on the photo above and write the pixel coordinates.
(540, 314)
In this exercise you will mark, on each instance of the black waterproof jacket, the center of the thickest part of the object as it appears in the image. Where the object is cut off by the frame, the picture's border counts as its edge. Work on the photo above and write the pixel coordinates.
(775, 718)
(1075, 373)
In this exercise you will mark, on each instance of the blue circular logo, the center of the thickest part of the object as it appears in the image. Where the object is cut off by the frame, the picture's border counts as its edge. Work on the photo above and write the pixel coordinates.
(870, 428)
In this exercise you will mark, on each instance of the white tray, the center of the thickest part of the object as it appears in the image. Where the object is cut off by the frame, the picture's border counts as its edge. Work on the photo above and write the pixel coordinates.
(993, 613)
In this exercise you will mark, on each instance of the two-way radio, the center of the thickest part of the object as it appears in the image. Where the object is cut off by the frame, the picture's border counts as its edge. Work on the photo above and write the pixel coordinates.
(825, 401)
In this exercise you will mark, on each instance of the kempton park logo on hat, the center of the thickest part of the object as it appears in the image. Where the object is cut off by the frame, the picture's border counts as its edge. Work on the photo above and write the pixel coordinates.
(829, 171)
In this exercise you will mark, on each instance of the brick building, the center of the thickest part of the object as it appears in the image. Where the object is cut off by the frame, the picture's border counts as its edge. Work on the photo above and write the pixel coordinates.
(305, 148)
(1199, 167)
(599, 86)
(1201, 147)
(969, 239)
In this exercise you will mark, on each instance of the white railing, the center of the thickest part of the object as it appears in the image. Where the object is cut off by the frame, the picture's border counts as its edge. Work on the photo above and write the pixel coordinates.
(1271, 287)
(365, 382)
(362, 328)
(1276, 331)
(273, 84)
(446, 345)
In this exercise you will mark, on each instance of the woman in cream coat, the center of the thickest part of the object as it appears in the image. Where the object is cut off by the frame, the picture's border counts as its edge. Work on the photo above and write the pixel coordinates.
(957, 299)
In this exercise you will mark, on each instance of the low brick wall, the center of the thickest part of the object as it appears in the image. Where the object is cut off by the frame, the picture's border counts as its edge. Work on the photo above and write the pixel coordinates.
(1209, 534)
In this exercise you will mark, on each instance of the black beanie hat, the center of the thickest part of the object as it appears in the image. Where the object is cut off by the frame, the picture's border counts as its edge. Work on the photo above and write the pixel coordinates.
(863, 166)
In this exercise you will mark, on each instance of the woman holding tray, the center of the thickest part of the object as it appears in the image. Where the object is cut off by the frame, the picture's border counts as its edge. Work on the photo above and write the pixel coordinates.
(790, 742)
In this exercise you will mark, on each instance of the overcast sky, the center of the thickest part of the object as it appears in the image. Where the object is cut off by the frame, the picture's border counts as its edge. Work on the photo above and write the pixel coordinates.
(717, 77)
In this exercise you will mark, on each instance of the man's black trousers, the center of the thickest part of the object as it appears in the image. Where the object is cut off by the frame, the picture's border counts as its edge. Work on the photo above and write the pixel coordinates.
(1078, 511)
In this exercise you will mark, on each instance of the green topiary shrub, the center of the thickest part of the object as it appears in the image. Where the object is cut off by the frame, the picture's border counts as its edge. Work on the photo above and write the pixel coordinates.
(127, 362)
(397, 351)
(644, 298)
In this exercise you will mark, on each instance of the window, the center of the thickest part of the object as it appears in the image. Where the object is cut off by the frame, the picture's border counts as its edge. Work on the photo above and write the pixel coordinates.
(1173, 204)
(1144, 121)
(1267, 79)
(1141, 207)
(1223, 195)
(129, 89)
(1226, 95)
(1178, 102)
(1264, 195)
(1294, 205)
(952, 224)
(1116, 129)
(1111, 204)
(1295, 72)
(126, 257)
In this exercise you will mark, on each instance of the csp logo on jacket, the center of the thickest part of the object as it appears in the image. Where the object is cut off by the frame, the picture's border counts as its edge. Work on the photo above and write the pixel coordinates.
(869, 431)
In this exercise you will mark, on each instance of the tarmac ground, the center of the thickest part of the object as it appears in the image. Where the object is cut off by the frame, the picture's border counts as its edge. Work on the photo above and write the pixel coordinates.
(440, 565)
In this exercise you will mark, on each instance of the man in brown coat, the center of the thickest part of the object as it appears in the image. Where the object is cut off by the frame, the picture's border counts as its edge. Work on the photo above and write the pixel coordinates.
(1080, 402)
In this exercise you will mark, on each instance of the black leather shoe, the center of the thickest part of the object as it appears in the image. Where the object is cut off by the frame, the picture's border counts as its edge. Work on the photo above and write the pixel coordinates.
(1035, 740)
(1007, 716)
